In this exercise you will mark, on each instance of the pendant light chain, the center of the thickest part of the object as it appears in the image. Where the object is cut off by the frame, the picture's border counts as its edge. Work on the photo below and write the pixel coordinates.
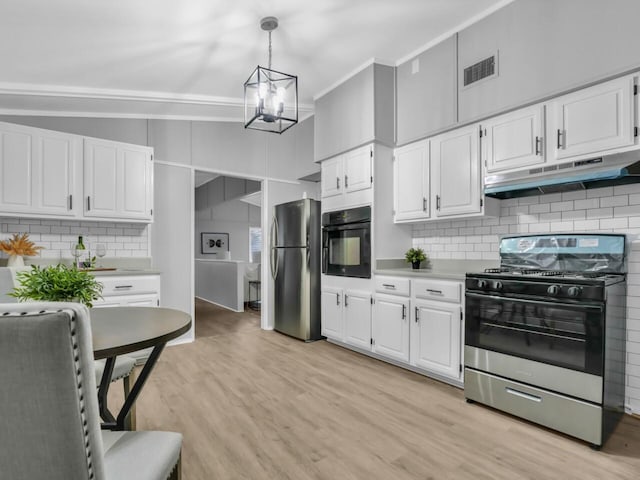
(269, 50)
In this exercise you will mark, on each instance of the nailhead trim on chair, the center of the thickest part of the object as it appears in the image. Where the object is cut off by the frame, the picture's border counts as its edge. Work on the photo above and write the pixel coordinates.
(79, 377)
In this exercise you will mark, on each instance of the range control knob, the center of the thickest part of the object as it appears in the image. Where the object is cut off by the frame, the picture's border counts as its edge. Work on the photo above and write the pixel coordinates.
(497, 285)
(482, 284)
(574, 291)
(553, 290)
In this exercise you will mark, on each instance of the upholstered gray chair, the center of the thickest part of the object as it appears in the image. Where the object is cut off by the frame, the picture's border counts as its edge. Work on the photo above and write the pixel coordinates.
(123, 368)
(49, 408)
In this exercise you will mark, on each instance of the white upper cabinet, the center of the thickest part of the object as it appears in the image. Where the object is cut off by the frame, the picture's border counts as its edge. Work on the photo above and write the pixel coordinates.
(38, 171)
(514, 140)
(357, 169)
(347, 179)
(331, 177)
(118, 180)
(592, 120)
(455, 169)
(411, 182)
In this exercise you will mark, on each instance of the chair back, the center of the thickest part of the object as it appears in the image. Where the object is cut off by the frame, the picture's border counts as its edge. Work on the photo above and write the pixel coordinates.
(50, 419)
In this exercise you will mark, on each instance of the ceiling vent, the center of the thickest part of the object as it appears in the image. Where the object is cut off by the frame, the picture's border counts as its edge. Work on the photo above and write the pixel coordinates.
(479, 71)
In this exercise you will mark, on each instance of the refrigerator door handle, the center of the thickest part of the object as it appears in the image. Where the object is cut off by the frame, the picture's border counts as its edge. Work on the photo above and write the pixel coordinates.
(274, 251)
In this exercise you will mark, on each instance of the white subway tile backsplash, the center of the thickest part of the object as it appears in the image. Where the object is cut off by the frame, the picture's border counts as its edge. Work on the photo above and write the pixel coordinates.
(560, 206)
(577, 195)
(58, 236)
(599, 210)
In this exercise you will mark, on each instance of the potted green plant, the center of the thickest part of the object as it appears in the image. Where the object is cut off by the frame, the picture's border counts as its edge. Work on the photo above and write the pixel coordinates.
(414, 256)
(57, 283)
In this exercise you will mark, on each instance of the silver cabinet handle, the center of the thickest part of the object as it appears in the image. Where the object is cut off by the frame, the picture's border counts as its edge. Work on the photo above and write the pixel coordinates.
(424, 204)
(70, 202)
(404, 311)
(389, 286)
(346, 181)
(88, 204)
(346, 302)
(434, 292)
(337, 299)
(417, 314)
(338, 183)
(437, 202)
(538, 145)
(528, 396)
(123, 286)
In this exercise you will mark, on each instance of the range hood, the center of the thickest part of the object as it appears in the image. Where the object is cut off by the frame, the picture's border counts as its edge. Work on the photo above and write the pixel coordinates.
(605, 171)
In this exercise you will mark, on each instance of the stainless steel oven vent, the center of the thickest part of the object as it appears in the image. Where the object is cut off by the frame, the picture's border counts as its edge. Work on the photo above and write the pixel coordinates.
(483, 69)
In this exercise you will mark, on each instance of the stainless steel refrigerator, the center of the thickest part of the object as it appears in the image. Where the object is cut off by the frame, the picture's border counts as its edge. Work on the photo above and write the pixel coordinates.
(295, 268)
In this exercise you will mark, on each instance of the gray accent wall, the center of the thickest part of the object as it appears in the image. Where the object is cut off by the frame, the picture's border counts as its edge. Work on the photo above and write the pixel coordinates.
(546, 47)
(225, 147)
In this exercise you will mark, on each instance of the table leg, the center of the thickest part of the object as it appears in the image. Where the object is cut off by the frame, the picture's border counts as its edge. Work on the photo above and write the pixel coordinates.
(103, 390)
(130, 421)
(119, 423)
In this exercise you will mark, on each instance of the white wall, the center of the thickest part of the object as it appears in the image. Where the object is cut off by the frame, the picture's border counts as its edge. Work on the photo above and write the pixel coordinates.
(605, 210)
(171, 236)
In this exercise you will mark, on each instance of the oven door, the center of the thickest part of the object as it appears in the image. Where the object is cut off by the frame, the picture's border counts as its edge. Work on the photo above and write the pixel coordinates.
(566, 335)
(346, 250)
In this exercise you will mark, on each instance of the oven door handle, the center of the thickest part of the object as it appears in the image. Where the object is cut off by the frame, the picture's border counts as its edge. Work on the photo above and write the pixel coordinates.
(574, 306)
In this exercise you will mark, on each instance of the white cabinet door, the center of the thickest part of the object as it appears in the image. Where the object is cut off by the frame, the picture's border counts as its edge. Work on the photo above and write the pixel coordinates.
(455, 165)
(391, 327)
(357, 318)
(435, 337)
(17, 163)
(411, 182)
(136, 183)
(59, 156)
(357, 169)
(100, 178)
(514, 140)
(37, 171)
(331, 305)
(331, 176)
(591, 120)
(118, 180)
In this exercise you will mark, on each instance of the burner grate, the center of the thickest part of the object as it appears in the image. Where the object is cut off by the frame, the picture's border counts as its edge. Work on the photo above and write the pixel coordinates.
(497, 270)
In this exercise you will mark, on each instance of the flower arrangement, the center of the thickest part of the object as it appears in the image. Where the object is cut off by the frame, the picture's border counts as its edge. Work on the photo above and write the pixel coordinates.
(17, 246)
(57, 283)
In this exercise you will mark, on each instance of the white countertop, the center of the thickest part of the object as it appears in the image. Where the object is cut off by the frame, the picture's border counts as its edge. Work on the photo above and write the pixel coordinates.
(442, 269)
(218, 260)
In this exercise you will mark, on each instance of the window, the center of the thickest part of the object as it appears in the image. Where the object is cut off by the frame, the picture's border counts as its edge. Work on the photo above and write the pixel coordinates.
(255, 244)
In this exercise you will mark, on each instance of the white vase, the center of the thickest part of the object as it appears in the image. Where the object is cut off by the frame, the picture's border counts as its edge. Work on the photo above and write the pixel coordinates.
(15, 261)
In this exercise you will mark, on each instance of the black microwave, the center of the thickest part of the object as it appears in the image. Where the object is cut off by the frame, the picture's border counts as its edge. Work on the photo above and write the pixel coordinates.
(346, 242)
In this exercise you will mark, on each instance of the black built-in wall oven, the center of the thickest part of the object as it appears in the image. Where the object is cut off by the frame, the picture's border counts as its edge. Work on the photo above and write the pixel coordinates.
(346, 242)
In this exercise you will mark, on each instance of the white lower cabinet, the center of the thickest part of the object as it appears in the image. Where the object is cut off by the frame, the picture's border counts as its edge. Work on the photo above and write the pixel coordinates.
(130, 291)
(357, 318)
(391, 326)
(435, 337)
(331, 305)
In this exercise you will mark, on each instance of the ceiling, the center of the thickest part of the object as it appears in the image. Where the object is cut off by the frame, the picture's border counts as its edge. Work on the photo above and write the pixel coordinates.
(171, 59)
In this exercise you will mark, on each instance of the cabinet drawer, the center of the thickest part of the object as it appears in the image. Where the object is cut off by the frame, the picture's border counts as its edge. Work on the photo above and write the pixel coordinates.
(565, 414)
(393, 285)
(129, 285)
(440, 290)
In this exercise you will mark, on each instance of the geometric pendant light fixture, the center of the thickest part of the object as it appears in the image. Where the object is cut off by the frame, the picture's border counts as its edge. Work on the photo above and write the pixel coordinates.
(270, 97)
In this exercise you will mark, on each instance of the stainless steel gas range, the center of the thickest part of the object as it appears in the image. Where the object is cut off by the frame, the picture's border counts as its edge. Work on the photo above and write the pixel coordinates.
(545, 333)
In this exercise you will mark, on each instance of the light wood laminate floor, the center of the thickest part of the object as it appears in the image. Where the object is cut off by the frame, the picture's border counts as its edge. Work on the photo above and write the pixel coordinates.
(255, 404)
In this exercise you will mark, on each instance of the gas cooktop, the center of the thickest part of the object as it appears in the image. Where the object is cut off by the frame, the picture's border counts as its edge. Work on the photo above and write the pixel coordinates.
(508, 272)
